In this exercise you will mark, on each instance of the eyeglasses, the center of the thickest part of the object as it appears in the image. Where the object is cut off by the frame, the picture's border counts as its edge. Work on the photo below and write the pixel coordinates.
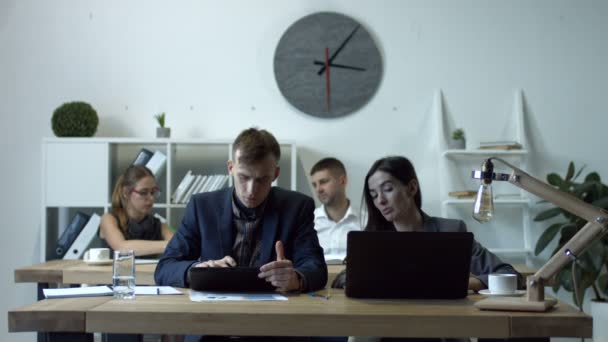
(154, 192)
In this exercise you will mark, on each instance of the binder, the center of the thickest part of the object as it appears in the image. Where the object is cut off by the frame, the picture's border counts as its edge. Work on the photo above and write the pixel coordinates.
(84, 239)
(143, 157)
(70, 234)
(157, 163)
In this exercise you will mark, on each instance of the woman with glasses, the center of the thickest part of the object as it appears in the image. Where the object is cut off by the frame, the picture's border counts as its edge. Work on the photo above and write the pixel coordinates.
(131, 224)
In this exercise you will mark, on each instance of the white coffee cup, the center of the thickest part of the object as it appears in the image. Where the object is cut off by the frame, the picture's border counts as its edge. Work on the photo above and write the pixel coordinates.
(97, 254)
(502, 284)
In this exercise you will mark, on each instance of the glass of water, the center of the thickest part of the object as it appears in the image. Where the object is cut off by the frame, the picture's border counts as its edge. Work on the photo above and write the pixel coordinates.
(123, 274)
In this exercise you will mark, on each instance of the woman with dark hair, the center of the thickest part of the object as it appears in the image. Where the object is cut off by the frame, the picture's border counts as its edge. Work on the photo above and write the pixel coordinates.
(393, 199)
(130, 224)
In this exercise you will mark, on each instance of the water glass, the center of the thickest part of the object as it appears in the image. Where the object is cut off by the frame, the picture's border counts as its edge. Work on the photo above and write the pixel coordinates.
(123, 274)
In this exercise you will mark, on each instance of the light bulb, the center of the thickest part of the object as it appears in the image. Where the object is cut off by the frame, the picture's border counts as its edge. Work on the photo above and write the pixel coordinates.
(483, 210)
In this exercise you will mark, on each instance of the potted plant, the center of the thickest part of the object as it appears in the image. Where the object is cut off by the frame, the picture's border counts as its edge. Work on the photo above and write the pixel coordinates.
(162, 131)
(592, 266)
(74, 119)
(458, 141)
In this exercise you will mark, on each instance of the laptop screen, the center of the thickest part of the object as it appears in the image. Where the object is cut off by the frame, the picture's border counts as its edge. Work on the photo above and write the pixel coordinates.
(429, 265)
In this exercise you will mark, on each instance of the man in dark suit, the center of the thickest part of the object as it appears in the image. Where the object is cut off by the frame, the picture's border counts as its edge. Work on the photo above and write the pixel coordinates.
(249, 224)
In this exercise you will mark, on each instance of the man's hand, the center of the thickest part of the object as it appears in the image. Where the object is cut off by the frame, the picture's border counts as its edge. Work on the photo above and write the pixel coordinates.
(280, 273)
(226, 261)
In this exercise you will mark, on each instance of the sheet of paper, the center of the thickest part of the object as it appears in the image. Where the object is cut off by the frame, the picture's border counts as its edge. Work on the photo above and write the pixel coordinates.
(203, 296)
(145, 261)
(156, 290)
(89, 291)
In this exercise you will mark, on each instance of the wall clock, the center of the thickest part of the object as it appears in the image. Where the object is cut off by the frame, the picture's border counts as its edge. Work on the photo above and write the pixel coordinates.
(327, 65)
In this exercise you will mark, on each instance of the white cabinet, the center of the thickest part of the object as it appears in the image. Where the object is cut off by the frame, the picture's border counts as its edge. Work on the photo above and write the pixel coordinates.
(79, 174)
(508, 234)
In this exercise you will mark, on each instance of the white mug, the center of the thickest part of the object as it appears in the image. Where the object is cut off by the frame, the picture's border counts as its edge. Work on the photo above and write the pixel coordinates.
(97, 254)
(502, 283)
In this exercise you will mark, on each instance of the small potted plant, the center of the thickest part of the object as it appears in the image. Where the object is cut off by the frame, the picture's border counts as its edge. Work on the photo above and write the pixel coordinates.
(162, 131)
(458, 141)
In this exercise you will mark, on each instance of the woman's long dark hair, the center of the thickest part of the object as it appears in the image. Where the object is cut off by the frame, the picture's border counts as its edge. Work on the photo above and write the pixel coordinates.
(400, 168)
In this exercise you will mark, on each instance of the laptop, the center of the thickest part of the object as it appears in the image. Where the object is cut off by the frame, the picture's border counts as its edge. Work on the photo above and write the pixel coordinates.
(427, 265)
(228, 279)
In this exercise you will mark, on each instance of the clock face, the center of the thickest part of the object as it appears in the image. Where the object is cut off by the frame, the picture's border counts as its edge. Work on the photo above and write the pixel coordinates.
(327, 65)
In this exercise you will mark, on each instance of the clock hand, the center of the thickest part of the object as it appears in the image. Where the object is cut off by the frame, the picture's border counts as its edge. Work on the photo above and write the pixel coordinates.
(327, 88)
(335, 54)
(342, 66)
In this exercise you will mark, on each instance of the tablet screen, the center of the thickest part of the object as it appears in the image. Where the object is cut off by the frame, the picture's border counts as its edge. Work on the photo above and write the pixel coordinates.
(234, 279)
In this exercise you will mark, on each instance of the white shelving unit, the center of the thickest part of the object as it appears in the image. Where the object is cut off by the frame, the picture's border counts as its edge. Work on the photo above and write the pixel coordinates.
(508, 234)
(78, 174)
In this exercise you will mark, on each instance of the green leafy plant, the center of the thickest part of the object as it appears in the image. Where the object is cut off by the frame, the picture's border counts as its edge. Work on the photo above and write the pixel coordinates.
(592, 266)
(74, 119)
(160, 118)
(458, 134)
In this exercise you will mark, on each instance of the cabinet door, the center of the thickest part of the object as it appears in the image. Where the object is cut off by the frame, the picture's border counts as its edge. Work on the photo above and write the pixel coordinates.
(76, 174)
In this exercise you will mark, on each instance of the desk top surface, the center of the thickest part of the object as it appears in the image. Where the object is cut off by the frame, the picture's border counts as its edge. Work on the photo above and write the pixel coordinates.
(78, 272)
(301, 315)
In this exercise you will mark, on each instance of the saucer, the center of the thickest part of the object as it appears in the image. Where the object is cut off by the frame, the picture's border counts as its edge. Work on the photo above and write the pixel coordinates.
(98, 262)
(487, 292)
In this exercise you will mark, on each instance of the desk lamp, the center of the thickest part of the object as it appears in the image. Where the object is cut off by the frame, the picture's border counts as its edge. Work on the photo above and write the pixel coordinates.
(597, 225)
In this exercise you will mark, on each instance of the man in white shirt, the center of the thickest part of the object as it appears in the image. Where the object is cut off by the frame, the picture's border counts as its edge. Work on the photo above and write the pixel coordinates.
(336, 216)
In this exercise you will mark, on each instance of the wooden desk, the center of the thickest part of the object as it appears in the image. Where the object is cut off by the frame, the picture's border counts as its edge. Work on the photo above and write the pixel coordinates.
(78, 272)
(301, 315)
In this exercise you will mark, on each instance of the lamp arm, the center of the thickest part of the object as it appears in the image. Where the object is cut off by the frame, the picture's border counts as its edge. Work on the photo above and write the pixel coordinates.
(597, 224)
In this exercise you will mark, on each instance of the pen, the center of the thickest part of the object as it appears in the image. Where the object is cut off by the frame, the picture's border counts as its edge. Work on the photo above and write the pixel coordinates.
(314, 294)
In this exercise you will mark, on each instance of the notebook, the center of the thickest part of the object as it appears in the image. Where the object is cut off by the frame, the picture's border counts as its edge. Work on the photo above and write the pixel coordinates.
(408, 264)
(230, 279)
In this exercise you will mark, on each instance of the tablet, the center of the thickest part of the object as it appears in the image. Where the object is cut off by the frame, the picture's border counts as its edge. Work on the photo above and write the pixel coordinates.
(233, 279)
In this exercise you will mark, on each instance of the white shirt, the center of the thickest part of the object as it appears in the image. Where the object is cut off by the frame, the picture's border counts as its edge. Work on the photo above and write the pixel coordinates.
(332, 235)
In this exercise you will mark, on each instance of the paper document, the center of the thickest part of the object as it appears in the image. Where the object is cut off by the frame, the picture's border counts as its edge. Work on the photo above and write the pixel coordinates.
(156, 290)
(145, 261)
(90, 291)
(203, 296)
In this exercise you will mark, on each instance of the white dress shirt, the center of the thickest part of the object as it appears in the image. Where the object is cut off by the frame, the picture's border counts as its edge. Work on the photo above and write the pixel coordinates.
(332, 235)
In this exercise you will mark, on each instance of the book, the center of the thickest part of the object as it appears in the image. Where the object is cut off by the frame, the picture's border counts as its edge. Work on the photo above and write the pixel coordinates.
(195, 184)
(156, 163)
(70, 233)
(498, 142)
(88, 233)
(501, 147)
(462, 194)
(143, 157)
(189, 183)
(208, 184)
(200, 186)
(181, 187)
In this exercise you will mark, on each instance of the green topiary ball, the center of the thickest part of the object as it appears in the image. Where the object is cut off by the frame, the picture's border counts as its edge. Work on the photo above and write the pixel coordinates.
(75, 119)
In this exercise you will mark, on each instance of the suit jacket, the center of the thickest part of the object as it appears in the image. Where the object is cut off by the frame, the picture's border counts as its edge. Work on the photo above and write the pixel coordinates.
(207, 233)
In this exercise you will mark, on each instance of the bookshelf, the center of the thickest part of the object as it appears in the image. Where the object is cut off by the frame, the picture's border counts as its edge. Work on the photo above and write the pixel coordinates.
(78, 174)
(508, 234)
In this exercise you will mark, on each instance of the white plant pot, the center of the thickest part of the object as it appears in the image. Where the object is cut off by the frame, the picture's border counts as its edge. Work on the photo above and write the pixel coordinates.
(599, 311)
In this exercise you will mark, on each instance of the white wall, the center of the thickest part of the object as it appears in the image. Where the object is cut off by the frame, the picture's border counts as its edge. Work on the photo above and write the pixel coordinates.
(208, 64)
